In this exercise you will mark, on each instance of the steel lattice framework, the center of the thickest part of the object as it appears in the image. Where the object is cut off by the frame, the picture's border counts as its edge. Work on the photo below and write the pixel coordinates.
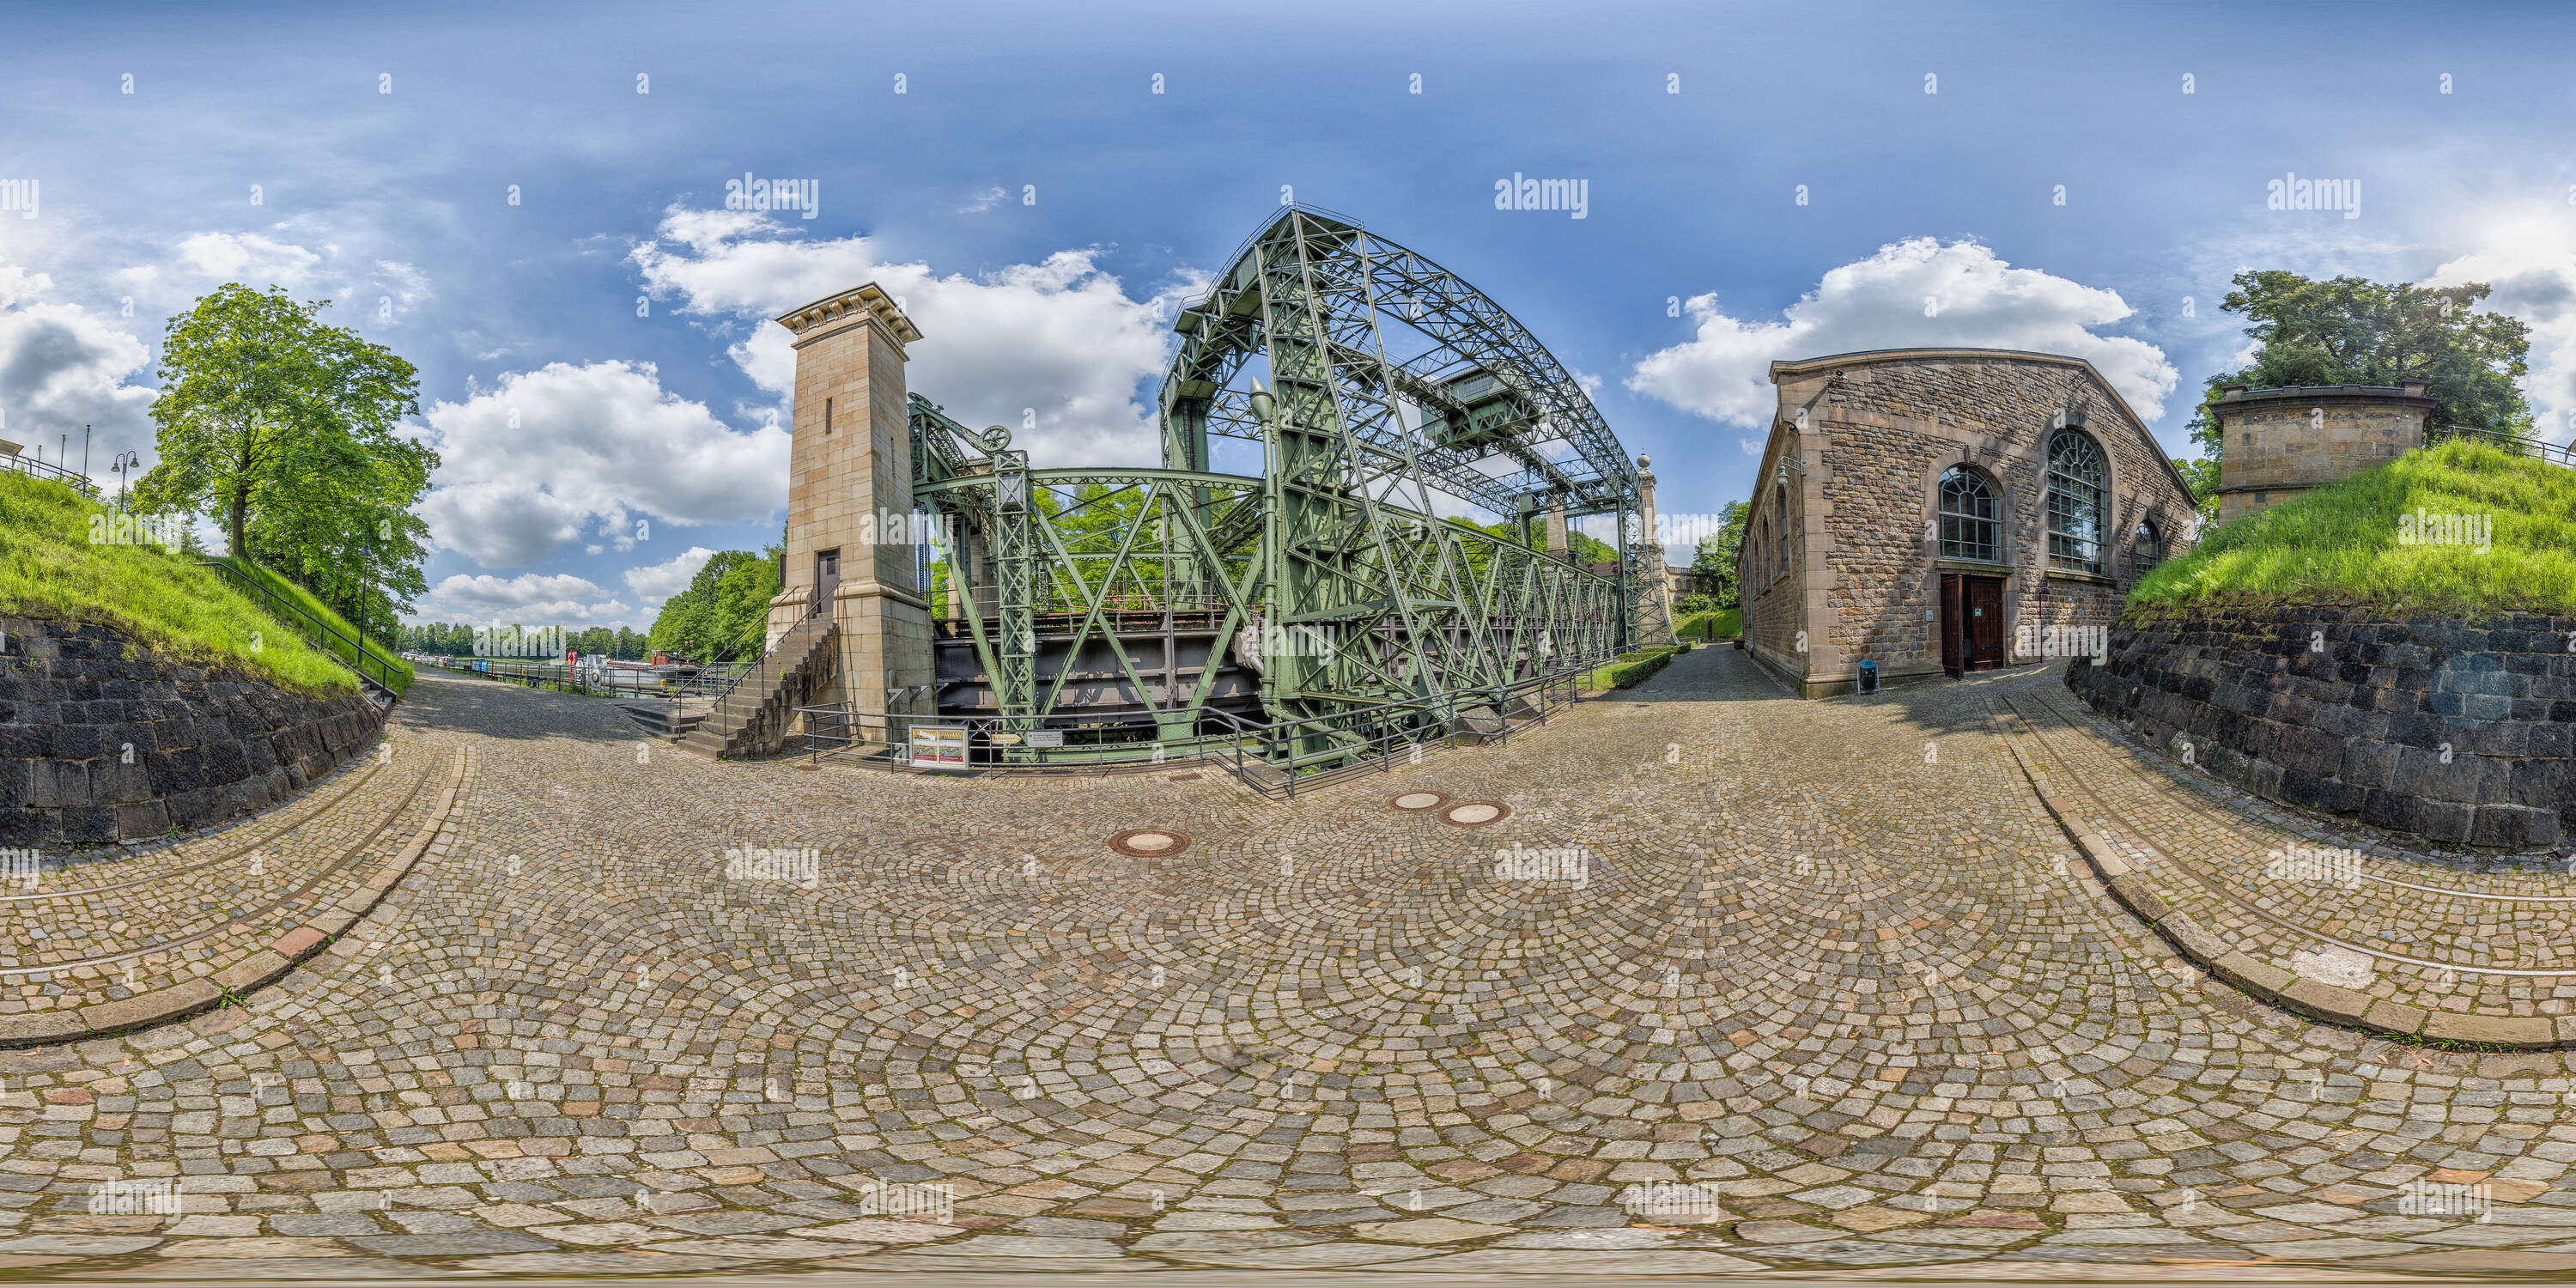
(1376, 383)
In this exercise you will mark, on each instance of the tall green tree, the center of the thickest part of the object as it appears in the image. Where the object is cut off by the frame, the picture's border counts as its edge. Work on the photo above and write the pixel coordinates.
(2349, 331)
(263, 410)
(724, 613)
(1713, 560)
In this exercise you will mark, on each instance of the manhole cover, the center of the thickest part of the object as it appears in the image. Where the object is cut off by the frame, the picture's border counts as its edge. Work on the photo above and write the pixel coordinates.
(1476, 813)
(1415, 802)
(1149, 842)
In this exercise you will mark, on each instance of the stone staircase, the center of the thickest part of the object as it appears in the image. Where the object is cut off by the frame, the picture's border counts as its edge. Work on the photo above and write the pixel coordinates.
(754, 714)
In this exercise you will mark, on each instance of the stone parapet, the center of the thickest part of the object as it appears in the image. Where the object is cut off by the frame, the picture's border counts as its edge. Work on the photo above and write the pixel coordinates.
(2462, 732)
(103, 740)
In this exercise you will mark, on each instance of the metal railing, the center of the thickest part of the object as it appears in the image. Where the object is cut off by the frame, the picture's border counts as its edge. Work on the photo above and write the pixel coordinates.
(1276, 758)
(327, 639)
(2560, 454)
(606, 682)
(33, 468)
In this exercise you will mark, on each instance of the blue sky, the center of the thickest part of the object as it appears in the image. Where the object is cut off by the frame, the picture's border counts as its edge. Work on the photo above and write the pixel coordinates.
(640, 442)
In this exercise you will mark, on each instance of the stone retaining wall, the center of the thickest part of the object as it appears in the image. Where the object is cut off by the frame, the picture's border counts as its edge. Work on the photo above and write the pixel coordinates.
(2461, 732)
(101, 740)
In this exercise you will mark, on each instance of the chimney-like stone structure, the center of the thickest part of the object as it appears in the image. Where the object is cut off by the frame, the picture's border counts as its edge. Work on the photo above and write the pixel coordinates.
(1556, 538)
(2281, 442)
(851, 537)
(1655, 596)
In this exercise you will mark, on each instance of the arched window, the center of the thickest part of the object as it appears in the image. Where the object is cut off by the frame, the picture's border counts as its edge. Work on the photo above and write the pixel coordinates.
(1780, 526)
(1969, 529)
(2148, 548)
(2075, 491)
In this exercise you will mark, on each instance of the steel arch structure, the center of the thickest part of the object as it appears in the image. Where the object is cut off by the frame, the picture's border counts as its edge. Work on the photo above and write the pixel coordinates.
(1182, 602)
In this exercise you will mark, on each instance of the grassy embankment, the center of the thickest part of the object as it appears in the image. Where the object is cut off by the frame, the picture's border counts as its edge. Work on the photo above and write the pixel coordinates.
(2342, 543)
(51, 568)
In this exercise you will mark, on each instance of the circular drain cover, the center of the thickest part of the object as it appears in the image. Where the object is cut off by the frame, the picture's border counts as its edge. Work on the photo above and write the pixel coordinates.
(1476, 813)
(1415, 802)
(1150, 842)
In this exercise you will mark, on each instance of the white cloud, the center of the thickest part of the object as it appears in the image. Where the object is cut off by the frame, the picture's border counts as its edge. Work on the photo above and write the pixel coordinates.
(561, 452)
(983, 201)
(654, 583)
(1059, 337)
(1978, 301)
(2531, 263)
(63, 367)
(536, 599)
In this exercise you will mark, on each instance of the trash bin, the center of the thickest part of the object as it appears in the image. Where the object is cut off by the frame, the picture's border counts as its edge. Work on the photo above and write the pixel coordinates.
(1869, 677)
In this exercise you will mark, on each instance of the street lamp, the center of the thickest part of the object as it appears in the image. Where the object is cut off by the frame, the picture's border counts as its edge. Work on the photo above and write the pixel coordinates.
(126, 465)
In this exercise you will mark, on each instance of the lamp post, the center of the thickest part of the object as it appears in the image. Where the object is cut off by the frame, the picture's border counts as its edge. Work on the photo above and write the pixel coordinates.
(124, 467)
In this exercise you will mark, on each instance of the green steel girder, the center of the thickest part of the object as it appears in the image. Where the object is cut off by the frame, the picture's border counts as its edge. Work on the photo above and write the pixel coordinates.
(1328, 571)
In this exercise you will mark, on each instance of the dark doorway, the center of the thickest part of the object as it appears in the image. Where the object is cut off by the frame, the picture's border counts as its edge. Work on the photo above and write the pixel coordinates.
(1972, 623)
(827, 577)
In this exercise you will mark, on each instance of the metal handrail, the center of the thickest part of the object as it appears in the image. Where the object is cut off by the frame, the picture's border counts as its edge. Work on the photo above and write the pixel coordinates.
(1262, 754)
(33, 468)
(2559, 454)
(316, 631)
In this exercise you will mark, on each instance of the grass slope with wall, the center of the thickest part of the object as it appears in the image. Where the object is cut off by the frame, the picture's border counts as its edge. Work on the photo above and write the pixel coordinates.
(141, 694)
(2310, 654)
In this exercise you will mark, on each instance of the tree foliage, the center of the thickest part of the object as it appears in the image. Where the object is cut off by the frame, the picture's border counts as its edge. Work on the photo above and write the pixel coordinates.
(2349, 331)
(283, 429)
(1713, 560)
(724, 614)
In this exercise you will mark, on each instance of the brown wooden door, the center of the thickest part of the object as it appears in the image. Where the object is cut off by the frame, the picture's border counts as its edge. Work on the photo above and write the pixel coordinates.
(1953, 612)
(1985, 623)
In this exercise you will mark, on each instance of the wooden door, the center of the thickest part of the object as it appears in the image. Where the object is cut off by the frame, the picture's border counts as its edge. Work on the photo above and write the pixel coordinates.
(1953, 612)
(1985, 623)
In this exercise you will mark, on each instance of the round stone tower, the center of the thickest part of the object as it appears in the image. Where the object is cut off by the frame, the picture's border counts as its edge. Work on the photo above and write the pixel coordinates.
(2281, 442)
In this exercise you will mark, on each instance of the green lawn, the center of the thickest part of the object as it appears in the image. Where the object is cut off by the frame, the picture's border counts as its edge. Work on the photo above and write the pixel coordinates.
(399, 669)
(2341, 543)
(1694, 626)
(50, 568)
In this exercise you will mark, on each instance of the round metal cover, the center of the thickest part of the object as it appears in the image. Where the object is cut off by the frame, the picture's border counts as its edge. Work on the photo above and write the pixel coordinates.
(1476, 813)
(1416, 801)
(1150, 842)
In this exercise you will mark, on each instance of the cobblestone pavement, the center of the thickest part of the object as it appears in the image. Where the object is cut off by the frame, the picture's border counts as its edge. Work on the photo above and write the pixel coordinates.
(1738, 983)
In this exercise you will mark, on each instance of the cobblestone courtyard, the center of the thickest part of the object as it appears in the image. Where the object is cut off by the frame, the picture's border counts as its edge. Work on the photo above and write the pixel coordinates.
(1735, 984)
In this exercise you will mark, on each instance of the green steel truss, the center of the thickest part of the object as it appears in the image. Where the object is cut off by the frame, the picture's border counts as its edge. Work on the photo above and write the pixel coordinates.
(1391, 387)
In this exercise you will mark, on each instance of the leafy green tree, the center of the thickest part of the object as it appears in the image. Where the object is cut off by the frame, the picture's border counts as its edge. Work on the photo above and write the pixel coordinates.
(2349, 331)
(264, 408)
(723, 614)
(1713, 560)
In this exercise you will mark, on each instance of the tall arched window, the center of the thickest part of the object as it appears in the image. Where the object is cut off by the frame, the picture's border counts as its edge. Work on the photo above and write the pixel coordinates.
(1780, 526)
(2148, 550)
(2075, 490)
(1969, 529)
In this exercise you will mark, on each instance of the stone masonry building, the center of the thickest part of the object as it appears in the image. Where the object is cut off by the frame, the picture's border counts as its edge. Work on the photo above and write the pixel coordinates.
(2281, 442)
(1935, 510)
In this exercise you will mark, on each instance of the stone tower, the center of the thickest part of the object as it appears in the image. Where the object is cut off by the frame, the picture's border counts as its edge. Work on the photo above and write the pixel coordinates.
(851, 536)
(2281, 442)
